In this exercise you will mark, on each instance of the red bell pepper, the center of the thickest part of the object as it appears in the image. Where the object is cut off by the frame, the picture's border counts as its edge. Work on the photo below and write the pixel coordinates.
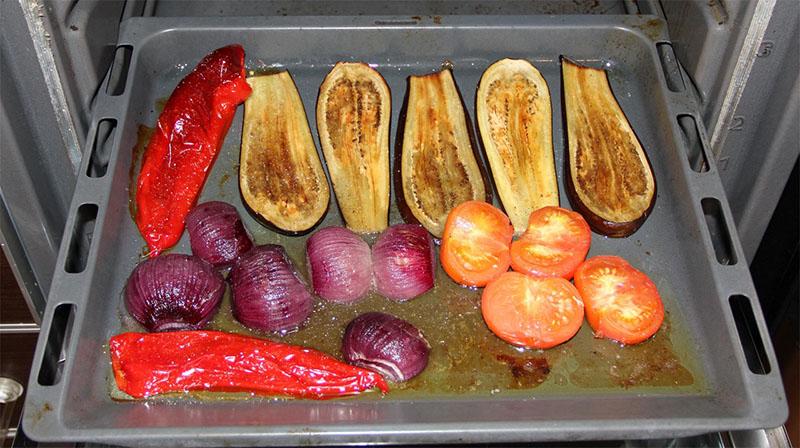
(185, 144)
(147, 364)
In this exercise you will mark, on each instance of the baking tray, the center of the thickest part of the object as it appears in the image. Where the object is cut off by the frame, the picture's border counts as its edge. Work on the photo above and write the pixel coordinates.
(688, 246)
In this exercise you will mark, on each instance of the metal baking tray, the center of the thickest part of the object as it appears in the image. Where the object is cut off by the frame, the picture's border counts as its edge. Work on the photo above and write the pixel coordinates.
(721, 372)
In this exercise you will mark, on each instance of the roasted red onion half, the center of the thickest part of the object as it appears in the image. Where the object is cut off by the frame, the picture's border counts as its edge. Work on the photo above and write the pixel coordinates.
(403, 262)
(386, 344)
(268, 294)
(174, 292)
(339, 264)
(217, 234)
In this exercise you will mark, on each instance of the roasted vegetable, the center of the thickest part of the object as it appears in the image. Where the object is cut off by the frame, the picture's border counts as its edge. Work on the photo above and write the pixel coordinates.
(216, 233)
(354, 110)
(532, 312)
(403, 262)
(183, 148)
(280, 174)
(182, 361)
(622, 303)
(174, 292)
(438, 168)
(267, 292)
(339, 265)
(608, 176)
(476, 243)
(554, 244)
(515, 125)
(386, 344)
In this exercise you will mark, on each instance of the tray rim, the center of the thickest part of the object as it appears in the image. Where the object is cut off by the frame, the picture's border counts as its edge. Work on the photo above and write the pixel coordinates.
(137, 32)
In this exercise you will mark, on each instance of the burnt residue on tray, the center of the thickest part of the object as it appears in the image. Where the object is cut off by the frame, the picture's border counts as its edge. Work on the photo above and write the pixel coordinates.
(160, 104)
(143, 136)
(41, 412)
(653, 28)
(528, 372)
(221, 184)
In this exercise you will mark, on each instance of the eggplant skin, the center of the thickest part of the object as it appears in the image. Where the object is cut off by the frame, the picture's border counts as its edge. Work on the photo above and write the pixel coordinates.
(608, 175)
(353, 118)
(436, 163)
(281, 179)
(514, 117)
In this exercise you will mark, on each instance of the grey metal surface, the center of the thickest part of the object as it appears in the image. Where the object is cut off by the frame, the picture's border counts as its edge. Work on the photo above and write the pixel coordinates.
(741, 56)
(708, 37)
(673, 246)
(82, 36)
(403, 8)
(37, 175)
(17, 328)
(40, 38)
(746, 57)
(54, 54)
(760, 140)
(20, 267)
(761, 438)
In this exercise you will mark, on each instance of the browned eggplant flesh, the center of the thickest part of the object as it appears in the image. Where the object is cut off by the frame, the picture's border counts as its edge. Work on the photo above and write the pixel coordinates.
(353, 119)
(515, 124)
(280, 175)
(438, 165)
(609, 177)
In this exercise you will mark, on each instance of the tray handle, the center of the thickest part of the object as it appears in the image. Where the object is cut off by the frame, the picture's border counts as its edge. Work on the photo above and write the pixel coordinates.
(732, 278)
(45, 386)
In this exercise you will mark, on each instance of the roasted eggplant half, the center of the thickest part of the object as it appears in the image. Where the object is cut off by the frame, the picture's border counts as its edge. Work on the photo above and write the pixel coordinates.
(515, 125)
(354, 110)
(438, 165)
(609, 177)
(280, 174)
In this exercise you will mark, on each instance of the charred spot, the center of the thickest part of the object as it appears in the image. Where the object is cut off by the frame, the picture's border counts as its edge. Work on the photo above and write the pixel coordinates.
(353, 116)
(512, 107)
(526, 372)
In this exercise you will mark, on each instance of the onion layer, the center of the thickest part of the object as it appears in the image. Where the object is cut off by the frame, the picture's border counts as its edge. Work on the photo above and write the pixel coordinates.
(173, 292)
(217, 234)
(268, 294)
(403, 262)
(339, 264)
(386, 344)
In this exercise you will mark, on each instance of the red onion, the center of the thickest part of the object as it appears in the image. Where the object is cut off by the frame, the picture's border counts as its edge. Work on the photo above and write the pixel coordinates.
(174, 292)
(268, 294)
(217, 234)
(386, 344)
(403, 262)
(339, 264)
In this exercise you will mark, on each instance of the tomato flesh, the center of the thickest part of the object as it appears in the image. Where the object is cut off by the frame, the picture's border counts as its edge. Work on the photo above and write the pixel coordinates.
(554, 244)
(532, 312)
(622, 303)
(475, 243)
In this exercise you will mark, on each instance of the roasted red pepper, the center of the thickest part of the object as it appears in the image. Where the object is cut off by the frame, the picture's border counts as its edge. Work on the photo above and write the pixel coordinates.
(185, 144)
(147, 364)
